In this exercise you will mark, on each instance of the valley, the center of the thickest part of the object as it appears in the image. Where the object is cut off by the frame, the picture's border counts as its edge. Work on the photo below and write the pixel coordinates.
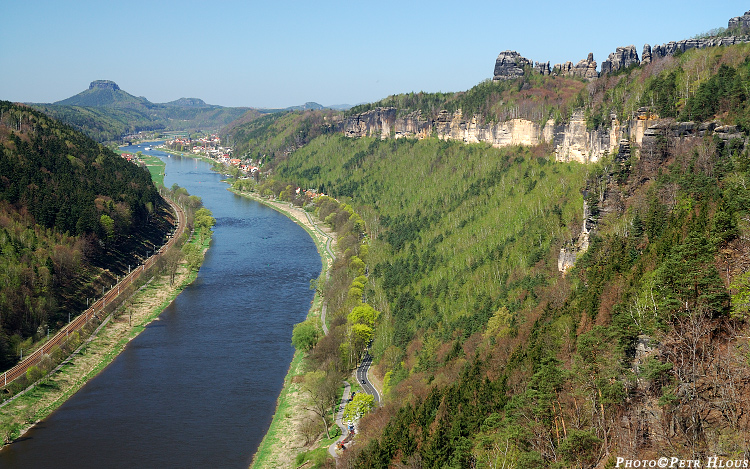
(548, 269)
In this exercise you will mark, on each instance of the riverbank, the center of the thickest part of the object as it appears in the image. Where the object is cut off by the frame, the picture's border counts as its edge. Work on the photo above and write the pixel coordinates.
(95, 354)
(286, 436)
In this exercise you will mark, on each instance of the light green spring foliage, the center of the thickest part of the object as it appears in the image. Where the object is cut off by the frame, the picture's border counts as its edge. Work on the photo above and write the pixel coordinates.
(741, 296)
(363, 314)
(499, 324)
(203, 222)
(359, 406)
(488, 210)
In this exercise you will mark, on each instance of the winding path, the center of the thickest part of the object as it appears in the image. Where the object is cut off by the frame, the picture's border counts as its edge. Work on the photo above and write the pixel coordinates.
(339, 420)
(362, 369)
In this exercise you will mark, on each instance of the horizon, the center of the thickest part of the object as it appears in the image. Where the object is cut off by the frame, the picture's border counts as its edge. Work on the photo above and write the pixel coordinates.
(257, 55)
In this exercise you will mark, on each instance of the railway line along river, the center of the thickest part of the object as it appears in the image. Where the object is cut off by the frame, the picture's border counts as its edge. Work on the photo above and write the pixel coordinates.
(198, 387)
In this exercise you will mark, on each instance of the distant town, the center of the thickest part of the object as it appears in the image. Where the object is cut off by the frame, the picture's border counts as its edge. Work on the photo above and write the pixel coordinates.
(210, 147)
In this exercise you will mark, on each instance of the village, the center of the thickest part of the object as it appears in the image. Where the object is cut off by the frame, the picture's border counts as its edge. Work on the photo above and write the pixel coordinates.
(210, 147)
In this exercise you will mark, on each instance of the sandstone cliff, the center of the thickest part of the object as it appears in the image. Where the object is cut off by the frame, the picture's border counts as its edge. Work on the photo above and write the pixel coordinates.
(510, 64)
(741, 23)
(104, 85)
(571, 141)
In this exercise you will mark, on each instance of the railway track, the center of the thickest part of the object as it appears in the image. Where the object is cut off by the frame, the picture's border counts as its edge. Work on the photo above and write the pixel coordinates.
(97, 309)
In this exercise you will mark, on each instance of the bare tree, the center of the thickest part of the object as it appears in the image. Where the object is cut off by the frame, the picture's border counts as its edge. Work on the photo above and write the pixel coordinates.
(172, 259)
(322, 389)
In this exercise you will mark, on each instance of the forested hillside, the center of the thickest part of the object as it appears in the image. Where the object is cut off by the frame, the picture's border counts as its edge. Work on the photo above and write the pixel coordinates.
(72, 214)
(106, 113)
(489, 355)
(101, 123)
(269, 137)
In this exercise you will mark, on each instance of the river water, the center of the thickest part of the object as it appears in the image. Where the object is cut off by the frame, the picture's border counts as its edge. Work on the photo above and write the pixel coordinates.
(198, 387)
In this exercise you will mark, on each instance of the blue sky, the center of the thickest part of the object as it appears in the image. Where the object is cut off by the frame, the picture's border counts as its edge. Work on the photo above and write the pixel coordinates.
(279, 53)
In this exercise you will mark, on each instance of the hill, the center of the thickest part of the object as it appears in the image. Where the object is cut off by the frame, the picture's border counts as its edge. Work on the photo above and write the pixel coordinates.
(531, 310)
(104, 93)
(188, 102)
(73, 216)
(273, 136)
(106, 113)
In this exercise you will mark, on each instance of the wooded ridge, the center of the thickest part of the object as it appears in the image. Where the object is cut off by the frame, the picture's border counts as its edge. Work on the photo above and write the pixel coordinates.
(73, 216)
(489, 355)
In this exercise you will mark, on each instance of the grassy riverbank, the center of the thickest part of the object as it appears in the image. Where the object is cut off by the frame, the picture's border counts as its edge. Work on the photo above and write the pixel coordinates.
(286, 438)
(20, 414)
(154, 165)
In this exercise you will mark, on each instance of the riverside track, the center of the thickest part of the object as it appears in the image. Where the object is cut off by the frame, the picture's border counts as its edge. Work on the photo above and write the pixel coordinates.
(96, 310)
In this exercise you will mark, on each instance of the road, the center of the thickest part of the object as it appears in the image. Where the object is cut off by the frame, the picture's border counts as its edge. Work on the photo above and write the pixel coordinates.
(364, 367)
(96, 309)
(364, 381)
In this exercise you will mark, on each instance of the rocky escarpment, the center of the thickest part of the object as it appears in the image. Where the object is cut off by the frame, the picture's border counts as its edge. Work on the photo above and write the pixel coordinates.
(740, 23)
(585, 69)
(674, 47)
(510, 64)
(104, 85)
(653, 150)
(384, 123)
(623, 57)
(601, 197)
(571, 141)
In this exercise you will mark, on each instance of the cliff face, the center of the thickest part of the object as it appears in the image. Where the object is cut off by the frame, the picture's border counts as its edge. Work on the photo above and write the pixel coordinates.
(740, 23)
(383, 123)
(571, 141)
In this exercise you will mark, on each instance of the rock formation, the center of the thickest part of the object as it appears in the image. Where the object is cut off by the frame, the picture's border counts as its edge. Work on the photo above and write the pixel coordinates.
(623, 57)
(104, 84)
(646, 54)
(570, 252)
(571, 140)
(740, 23)
(542, 68)
(672, 47)
(583, 69)
(510, 65)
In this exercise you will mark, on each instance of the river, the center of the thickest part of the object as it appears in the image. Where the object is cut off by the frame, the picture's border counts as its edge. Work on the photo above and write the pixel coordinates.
(198, 387)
